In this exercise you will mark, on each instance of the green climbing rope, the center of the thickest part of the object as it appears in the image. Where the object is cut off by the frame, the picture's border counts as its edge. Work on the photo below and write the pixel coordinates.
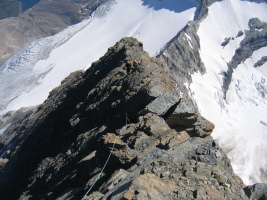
(101, 170)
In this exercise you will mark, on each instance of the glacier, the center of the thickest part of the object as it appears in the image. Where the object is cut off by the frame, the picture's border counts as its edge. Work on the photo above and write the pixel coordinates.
(240, 118)
(29, 76)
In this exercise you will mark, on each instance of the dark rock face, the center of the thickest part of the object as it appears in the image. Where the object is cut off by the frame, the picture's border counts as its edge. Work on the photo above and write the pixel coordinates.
(226, 41)
(45, 19)
(204, 8)
(11, 133)
(240, 33)
(256, 191)
(161, 148)
(182, 55)
(261, 61)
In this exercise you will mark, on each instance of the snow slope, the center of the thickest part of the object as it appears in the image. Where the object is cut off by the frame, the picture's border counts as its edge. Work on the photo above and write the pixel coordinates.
(241, 119)
(28, 76)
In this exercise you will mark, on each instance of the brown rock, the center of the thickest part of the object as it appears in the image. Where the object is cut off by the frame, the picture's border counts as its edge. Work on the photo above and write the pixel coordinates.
(89, 156)
(155, 125)
(148, 184)
(238, 181)
(3, 161)
(221, 179)
(111, 138)
(118, 88)
(204, 127)
(120, 150)
(213, 193)
(173, 138)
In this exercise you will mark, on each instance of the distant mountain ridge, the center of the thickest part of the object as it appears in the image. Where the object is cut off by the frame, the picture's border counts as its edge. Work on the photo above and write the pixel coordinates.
(9, 8)
(45, 19)
(12, 8)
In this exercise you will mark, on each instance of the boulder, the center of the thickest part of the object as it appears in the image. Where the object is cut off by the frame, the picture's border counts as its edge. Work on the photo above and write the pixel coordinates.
(256, 191)
(118, 148)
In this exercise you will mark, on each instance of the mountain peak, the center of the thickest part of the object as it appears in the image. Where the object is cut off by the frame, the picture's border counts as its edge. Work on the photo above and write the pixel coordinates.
(125, 105)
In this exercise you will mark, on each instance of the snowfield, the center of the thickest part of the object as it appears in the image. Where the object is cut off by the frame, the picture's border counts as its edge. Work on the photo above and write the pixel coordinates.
(240, 120)
(29, 76)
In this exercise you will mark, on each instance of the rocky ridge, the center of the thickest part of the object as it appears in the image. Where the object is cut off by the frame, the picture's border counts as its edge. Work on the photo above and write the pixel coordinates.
(181, 54)
(162, 145)
(170, 58)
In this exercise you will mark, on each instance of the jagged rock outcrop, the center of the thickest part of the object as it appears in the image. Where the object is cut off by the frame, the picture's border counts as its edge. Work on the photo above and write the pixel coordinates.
(161, 145)
(45, 19)
(170, 165)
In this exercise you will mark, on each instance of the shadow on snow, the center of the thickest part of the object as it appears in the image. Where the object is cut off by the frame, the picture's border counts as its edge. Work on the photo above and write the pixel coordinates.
(172, 5)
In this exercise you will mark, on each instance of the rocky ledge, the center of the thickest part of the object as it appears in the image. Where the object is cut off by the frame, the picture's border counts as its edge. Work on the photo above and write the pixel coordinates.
(122, 127)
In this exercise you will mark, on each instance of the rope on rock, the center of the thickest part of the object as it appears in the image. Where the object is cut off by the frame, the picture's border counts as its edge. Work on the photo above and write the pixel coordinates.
(101, 170)
(125, 110)
(126, 117)
(109, 153)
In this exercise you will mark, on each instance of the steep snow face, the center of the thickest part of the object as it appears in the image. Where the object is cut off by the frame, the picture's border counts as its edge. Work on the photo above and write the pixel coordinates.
(27, 77)
(241, 118)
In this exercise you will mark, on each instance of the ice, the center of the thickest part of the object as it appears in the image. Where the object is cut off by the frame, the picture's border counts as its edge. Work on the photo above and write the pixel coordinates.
(238, 119)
